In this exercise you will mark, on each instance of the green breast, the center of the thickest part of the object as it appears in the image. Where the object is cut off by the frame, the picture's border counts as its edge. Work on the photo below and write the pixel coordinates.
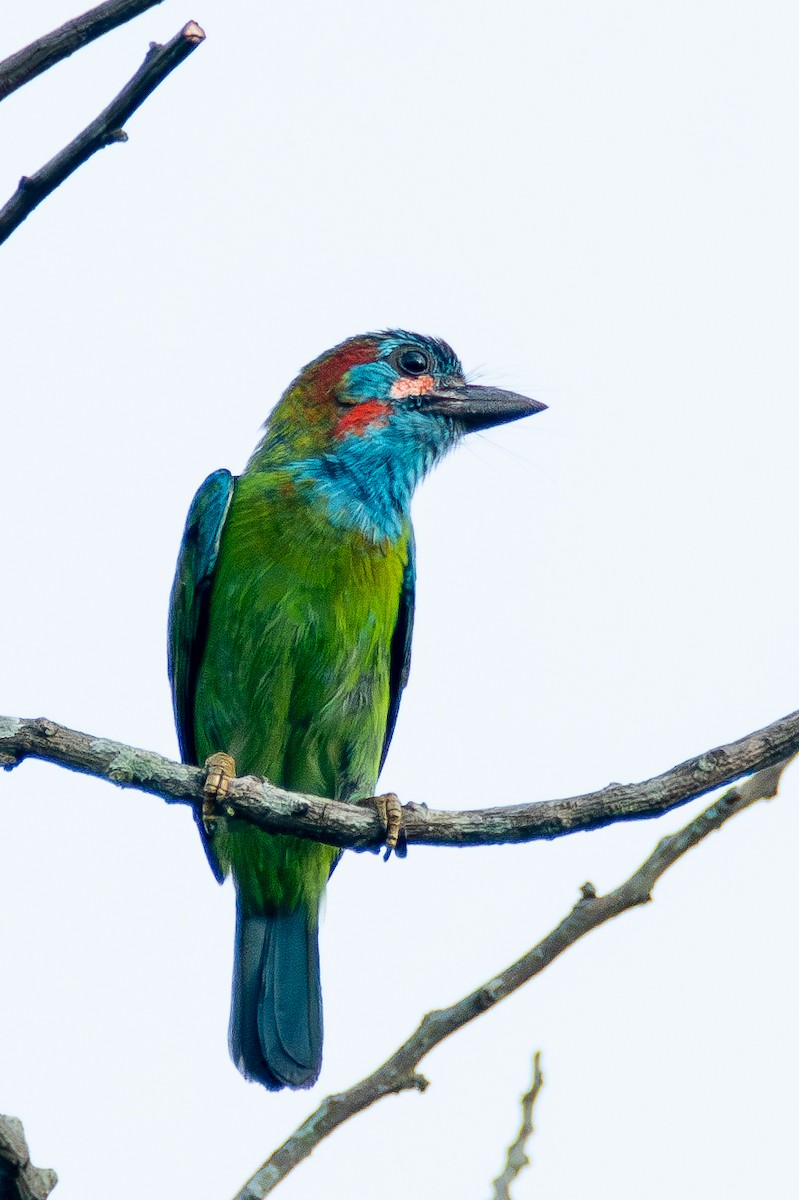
(294, 681)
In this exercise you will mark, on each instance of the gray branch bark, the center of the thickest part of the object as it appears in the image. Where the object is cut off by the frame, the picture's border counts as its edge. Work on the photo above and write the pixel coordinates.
(46, 51)
(19, 1179)
(516, 1158)
(103, 130)
(399, 1072)
(358, 827)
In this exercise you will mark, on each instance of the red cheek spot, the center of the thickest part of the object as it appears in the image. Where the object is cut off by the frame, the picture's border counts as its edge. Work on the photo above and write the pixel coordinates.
(412, 387)
(358, 418)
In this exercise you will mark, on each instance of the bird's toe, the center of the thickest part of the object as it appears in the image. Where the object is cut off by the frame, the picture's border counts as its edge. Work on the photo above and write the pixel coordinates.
(220, 768)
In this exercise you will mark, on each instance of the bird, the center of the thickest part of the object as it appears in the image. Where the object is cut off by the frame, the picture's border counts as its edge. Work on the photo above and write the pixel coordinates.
(291, 617)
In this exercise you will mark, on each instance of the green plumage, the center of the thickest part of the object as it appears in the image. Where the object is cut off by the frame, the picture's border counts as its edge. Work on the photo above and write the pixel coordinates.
(295, 678)
(289, 644)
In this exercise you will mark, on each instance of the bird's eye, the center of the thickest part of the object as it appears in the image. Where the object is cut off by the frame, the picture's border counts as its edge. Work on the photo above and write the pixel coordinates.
(413, 362)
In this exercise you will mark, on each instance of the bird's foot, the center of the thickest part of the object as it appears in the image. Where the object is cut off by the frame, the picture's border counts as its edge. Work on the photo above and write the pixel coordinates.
(389, 810)
(221, 768)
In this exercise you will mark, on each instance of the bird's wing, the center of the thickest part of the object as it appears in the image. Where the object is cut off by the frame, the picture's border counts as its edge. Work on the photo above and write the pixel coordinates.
(401, 646)
(189, 602)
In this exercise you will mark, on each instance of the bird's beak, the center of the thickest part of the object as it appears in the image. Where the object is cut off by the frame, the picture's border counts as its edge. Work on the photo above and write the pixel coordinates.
(478, 407)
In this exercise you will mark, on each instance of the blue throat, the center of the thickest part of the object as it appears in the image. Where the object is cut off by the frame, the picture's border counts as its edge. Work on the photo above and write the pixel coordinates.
(367, 483)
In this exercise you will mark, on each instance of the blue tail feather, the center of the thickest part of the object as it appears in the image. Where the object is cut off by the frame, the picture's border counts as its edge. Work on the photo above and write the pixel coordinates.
(276, 1010)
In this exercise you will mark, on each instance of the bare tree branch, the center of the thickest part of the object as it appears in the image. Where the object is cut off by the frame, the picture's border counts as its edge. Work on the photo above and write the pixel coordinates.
(46, 51)
(399, 1074)
(357, 827)
(19, 1179)
(516, 1159)
(103, 130)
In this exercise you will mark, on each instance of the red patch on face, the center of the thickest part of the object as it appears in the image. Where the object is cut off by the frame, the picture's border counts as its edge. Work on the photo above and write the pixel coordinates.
(358, 418)
(331, 369)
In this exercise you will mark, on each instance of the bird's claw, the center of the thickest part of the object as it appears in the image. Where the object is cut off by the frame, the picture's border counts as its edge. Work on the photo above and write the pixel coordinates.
(221, 768)
(389, 810)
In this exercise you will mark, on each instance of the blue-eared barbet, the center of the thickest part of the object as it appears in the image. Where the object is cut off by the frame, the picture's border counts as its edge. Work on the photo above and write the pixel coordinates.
(289, 643)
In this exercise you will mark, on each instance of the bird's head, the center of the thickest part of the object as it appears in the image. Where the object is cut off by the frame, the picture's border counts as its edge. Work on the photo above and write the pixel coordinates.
(371, 383)
(381, 409)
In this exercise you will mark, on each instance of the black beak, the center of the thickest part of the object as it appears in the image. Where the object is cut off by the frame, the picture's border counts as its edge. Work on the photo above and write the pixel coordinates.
(478, 407)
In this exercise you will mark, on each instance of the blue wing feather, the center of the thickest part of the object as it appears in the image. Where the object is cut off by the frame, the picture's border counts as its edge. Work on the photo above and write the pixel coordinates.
(401, 646)
(189, 605)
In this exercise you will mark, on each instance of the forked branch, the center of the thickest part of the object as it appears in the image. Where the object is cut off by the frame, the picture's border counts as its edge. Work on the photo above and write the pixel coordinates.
(103, 130)
(399, 1072)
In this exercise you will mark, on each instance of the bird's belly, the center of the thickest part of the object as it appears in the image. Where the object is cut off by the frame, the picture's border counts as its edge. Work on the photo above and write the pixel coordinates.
(295, 685)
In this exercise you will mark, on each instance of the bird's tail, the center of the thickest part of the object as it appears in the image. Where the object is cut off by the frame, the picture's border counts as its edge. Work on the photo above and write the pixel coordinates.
(276, 1010)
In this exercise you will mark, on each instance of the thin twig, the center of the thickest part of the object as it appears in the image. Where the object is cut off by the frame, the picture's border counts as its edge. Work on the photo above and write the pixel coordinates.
(516, 1158)
(358, 827)
(19, 1179)
(399, 1074)
(103, 130)
(46, 51)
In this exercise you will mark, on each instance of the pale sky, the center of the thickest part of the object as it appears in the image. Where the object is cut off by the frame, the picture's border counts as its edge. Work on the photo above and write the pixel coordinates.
(595, 204)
